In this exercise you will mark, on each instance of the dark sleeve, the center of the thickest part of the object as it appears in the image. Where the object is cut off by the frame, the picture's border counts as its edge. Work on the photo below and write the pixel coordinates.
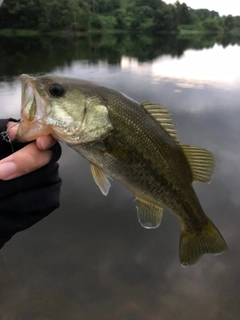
(26, 200)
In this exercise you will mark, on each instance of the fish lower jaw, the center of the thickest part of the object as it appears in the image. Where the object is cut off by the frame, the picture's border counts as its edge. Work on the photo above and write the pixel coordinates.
(29, 131)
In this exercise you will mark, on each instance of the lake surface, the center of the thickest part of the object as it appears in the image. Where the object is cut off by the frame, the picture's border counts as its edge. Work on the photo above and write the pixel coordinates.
(91, 259)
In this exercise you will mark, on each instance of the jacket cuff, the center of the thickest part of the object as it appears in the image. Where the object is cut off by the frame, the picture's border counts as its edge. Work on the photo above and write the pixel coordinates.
(5, 146)
(3, 127)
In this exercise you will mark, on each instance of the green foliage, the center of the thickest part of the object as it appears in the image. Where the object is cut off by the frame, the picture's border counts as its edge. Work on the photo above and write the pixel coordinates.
(142, 18)
(166, 18)
(229, 22)
(211, 25)
(124, 18)
(184, 13)
(108, 22)
(126, 15)
(204, 14)
(19, 14)
(237, 21)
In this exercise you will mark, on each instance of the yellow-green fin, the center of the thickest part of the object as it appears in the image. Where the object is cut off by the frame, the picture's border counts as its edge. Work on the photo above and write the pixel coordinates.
(100, 179)
(194, 244)
(201, 161)
(149, 215)
(162, 116)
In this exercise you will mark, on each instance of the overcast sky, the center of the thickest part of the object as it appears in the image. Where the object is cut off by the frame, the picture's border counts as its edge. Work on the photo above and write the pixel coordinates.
(223, 7)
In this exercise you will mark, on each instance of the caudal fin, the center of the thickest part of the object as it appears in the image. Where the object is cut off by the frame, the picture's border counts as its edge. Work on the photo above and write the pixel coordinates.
(194, 244)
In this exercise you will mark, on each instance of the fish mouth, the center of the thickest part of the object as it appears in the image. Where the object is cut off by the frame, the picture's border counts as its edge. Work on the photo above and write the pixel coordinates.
(32, 124)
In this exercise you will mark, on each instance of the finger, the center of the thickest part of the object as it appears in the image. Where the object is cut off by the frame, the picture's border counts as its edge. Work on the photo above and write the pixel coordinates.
(24, 161)
(12, 129)
(45, 142)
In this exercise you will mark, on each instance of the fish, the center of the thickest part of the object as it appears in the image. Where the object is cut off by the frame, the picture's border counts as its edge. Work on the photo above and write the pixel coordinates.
(134, 143)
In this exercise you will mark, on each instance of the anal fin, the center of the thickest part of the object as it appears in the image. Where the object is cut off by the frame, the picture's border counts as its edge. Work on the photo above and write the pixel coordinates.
(100, 179)
(149, 215)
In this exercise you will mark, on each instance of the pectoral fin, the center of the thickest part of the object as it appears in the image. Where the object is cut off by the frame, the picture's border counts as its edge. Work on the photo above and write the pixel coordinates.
(149, 215)
(100, 179)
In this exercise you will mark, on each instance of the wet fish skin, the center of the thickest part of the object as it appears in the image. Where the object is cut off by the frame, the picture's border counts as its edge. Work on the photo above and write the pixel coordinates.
(131, 142)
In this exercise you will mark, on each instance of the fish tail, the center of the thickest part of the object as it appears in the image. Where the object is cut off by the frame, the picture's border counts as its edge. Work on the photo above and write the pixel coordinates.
(193, 244)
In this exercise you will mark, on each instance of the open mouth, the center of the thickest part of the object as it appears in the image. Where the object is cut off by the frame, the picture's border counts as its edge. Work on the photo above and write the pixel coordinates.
(32, 123)
(28, 108)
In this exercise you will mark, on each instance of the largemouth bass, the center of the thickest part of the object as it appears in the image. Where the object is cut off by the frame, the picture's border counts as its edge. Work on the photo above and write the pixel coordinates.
(131, 142)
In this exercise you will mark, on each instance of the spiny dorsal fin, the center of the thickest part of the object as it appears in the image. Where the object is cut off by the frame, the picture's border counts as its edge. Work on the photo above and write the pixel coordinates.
(100, 179)
(201, 161)
(149, 215)
(162, 116)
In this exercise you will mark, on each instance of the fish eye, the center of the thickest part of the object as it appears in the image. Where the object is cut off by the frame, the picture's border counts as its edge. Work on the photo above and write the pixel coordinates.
(56, 90)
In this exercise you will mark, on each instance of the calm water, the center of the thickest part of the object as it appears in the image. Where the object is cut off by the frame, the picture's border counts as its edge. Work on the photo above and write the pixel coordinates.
(91, 259)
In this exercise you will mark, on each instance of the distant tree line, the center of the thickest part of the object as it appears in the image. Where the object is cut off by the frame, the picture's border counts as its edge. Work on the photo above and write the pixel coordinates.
(127, 15)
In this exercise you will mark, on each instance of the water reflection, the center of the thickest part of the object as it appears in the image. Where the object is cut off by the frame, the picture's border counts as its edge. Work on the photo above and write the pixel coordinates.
(43, 54)
(91, 256)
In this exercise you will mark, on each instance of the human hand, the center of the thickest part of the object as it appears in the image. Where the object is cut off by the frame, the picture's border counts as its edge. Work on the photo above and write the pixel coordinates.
(31, 197)
(32, 157)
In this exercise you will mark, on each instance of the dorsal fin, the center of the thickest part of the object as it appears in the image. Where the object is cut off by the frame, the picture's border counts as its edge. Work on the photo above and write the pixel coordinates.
(162, 116)
(201, 161)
